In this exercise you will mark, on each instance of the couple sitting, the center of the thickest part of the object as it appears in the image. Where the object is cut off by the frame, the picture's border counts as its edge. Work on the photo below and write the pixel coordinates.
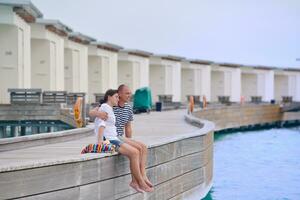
(113, 117)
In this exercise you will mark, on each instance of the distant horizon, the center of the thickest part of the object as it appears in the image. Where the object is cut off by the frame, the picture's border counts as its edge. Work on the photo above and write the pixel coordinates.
(251, 33)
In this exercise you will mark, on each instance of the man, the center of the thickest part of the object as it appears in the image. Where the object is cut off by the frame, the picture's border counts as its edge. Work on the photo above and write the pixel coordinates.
(124, 117)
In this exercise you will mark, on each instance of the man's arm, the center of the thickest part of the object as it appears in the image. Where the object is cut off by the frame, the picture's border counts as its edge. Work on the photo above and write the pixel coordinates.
(95, 113)
(128, 130)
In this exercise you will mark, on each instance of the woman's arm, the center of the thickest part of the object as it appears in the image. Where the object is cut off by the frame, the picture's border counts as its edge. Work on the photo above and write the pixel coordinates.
(100, 134)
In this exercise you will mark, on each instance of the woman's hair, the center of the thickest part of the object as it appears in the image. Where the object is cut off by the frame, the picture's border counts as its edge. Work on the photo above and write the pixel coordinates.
(108, 93)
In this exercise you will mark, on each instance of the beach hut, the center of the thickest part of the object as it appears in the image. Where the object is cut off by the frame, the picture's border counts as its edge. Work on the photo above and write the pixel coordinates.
(102, 68)
(195, 79)
(225, 82)
(76, 62)
(287, 84)
(257, 83)
(15, 66)
(133, 68)
(47, 54)
(165, 77)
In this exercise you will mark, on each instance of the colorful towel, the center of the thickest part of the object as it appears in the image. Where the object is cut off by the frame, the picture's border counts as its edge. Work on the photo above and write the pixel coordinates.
(99, 148)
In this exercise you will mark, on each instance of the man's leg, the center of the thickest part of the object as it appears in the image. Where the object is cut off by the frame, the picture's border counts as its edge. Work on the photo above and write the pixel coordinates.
(142, 148)
(133, 155)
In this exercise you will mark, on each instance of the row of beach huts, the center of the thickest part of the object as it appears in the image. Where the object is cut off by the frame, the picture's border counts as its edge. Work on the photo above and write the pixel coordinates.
(44, 53)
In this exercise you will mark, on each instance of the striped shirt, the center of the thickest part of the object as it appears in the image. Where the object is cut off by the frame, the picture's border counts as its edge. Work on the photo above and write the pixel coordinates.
(123, 116)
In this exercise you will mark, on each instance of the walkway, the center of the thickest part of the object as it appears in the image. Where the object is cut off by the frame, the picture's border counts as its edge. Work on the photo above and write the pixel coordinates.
(153, 128)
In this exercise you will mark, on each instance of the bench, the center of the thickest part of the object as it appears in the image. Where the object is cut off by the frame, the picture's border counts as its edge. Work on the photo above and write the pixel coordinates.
(287, 99)
(165, 98)
(256, 99)
(54, 97)
(25, 96)
(224, 99)
(72, 97)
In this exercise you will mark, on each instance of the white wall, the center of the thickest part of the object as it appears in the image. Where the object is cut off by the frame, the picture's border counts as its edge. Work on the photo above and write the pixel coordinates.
(176, 82)
(286, 83)
(269, 86)
(15, 66)
(133, 71)
(195, 80)
(95, 76)
(125, 74)
(8, 60)
(188, 86)
(54, 49)
(40, 59)
(226, 81)
(281, 86)
(102, 71)
(249, 85)
(76, 67)
(235, 93)
(217, 85)
(157, 81)
(297, 95)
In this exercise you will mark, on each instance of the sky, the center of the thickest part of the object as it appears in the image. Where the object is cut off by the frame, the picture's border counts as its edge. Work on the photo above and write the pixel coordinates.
(250, 32)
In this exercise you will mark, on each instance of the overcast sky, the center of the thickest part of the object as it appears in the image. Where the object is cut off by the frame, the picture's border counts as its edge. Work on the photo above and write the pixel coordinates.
(256, 32)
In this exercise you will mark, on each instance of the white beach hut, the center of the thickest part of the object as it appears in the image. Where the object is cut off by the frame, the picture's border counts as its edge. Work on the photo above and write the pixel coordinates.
(287, 84)
(225, 81)
(133, 68)
(15, 66)
(165, 76)
(195, 79)
(47, 54)
(76, 62)
(257, 81)
(102, 68)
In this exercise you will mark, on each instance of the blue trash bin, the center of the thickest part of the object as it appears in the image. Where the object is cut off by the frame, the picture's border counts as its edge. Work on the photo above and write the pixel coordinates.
(158, 106)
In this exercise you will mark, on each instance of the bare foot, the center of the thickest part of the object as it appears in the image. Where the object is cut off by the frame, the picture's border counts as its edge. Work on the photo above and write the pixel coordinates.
(147, 181)
(136, 187)
(146, 188)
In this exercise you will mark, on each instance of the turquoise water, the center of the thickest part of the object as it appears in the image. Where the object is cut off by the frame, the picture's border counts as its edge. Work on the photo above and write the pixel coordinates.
(257, 165)
(30, 127)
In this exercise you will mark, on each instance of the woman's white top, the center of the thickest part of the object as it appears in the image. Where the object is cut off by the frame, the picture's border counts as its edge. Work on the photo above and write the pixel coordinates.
(110, 130)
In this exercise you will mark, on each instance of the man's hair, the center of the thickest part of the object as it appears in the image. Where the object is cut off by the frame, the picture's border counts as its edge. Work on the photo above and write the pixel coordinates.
(121, 87)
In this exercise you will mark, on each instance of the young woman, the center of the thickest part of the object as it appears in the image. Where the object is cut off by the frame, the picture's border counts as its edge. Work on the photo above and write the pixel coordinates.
(106, 130)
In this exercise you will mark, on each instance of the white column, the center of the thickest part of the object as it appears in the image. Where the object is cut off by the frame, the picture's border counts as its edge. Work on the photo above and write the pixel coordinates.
(144, 73)
(297, 95)
(206, 82)
(236, 85)
(269, 86)
(227, 89)
(176, 82)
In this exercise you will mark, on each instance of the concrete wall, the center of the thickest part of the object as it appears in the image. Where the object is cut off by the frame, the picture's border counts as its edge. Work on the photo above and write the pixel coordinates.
(102, 71)
(238, 116)
(47, 59)
(15, 65)
(175, 167)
